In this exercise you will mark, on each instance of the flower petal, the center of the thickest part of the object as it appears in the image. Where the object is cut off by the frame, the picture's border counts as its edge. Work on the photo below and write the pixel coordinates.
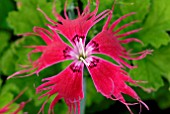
(54, 52)
(68, 85)
(108, 42)
(79, 26)
(110, 80)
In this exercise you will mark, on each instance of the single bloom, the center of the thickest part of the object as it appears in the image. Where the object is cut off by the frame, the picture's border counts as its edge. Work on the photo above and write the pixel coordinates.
(7, 108)
(109, 78)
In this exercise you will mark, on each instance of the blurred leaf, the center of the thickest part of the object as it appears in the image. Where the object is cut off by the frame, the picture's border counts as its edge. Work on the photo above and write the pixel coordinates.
(162, 96)
(168, 78)
(0, 83)
(7, 96)
(4, 37)
(28, 16)
(16, 55)
(152, 68)
(156, 24)
(5, 7)
(19, 84)
(103, 5)
(8, 62)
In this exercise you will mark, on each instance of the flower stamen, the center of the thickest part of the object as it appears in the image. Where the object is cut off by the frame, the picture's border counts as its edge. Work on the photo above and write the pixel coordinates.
(82, 47)
(84, 61)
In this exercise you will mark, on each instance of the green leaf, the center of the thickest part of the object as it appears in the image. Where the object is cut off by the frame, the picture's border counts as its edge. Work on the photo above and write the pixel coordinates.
(7, 96)
(168, 78)
(162, 96)
(28, 16)
(152, 68)
(156, 24)
(0, 83)
(8, 62)
(5, 7)
(4, 37)
(139, 6)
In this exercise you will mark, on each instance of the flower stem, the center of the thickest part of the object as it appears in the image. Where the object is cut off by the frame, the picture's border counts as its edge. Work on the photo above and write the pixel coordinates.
(83, 102)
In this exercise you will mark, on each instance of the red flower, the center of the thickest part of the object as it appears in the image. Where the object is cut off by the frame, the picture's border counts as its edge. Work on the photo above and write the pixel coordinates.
(8, 107)
(109, 79)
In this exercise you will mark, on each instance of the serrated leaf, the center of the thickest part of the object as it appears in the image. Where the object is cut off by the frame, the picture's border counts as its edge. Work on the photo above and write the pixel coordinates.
(28, 16)
(152, 68)
(141, 7)
(156, 24)
(122, 7)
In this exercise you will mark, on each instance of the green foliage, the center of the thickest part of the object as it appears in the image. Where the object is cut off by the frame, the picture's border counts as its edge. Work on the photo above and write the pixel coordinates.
(4, 36)
(153, 67)
(8, 62)
(28, 16)
(162, 96)
(156, 24)
(139, 6)
(5, 7)
(0, 83)
(7, 96)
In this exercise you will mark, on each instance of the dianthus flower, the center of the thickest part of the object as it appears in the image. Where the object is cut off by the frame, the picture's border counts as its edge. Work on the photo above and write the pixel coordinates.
(109, 79)
(7, 108)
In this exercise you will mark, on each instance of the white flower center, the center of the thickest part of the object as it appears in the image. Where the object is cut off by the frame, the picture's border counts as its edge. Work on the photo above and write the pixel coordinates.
(80, 52)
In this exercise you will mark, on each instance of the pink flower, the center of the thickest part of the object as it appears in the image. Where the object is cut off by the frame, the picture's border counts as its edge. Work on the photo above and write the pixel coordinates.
(8, 107)
(109, 79)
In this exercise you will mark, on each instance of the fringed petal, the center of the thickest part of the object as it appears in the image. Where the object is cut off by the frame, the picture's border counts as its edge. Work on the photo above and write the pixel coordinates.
(115, 23)
(110, 80)
(52, 53)
(79, 26)
(67, 84)
(107, 42)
